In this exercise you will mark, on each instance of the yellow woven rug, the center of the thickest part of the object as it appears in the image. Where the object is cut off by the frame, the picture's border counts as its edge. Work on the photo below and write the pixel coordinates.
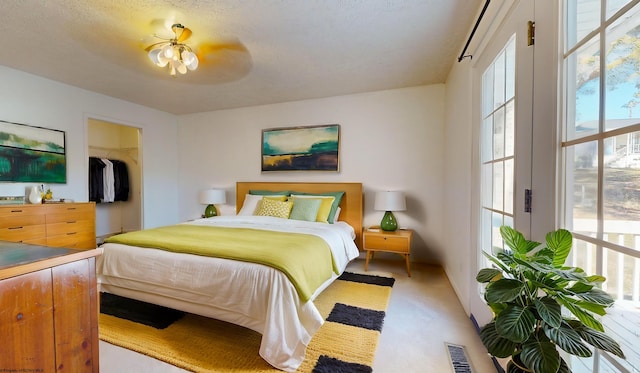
(200, 344)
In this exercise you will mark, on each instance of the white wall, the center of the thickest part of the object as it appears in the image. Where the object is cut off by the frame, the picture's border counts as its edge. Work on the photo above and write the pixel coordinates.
(28, 99)
(389, 140)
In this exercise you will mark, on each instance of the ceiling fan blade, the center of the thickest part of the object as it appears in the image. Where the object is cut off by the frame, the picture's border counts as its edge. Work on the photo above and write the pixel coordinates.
(186, 34)
(205, 49)
(147, 49)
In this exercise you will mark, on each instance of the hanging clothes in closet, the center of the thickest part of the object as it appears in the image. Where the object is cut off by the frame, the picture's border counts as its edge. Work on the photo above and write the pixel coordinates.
(108, 180)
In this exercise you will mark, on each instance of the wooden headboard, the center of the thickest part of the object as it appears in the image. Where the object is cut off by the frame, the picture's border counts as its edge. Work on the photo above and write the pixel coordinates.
(351, 205)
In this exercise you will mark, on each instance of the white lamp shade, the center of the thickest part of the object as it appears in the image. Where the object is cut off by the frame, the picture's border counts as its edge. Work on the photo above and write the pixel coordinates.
(212, 196)
(390, 201)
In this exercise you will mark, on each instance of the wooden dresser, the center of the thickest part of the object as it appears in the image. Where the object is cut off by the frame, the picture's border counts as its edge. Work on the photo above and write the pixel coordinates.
(70, 225)
(49, 318)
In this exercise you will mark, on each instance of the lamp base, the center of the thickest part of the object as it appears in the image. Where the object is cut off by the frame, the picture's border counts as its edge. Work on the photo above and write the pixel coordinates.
(388, 222)
(210, 211)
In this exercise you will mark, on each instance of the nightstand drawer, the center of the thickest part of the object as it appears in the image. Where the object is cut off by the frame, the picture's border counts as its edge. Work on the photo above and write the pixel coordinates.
(386, 243)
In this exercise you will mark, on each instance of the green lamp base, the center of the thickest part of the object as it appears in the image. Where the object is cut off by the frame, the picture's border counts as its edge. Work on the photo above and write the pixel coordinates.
(210, 211)
(388, 222)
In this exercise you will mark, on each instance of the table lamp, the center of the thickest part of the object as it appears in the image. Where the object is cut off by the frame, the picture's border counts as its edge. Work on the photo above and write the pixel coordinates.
(210, 197)
(388, 202)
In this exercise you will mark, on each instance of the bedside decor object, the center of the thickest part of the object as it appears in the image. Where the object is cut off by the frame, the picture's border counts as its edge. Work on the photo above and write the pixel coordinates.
(311, 148)
(388, 202)
(210, 197)
(32, 154)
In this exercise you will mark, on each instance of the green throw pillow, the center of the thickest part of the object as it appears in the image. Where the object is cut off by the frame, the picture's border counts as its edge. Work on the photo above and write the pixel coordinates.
(305, 209)
(336, 202)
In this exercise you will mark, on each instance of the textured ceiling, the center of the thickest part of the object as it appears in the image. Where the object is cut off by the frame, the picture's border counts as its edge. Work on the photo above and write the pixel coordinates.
(297, 49)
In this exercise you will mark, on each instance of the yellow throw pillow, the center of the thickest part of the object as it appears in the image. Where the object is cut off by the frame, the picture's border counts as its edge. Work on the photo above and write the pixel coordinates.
(273, 207)
(325, 206)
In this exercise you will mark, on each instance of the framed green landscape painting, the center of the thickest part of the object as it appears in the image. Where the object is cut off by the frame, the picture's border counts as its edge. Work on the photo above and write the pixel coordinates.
(310, 148)
(32, 154)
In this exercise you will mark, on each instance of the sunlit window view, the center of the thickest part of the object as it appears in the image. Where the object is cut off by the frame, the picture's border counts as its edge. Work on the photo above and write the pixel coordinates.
(601, 152)
(497, 147)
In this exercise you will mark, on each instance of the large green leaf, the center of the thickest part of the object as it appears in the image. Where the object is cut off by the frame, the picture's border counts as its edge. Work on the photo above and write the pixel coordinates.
(578, 312)
(592, 307)
(503, 290)
(516, 241)
(549, 310)
(570, 273)
(495, 344)
(487, 274)
(496, 261)
(540, 356)
(515, 323)
(568, 339)
(597, 339)
(596, 278)
(580, 287)
(560, 242)
(544, 255)
(564, 368)
(597, 296)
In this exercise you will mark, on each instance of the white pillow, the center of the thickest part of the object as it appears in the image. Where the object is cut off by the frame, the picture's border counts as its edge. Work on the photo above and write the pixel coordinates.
(335, 217)
(250, 204)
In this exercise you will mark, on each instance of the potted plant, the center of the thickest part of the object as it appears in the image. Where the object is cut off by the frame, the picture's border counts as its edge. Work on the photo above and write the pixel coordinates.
(528, 290)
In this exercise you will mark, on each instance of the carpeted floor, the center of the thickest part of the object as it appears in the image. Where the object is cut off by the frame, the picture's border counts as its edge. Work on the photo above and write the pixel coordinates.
(353, 307)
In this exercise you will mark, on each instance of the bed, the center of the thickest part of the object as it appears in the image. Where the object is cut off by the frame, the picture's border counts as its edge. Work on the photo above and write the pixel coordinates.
(273, 302)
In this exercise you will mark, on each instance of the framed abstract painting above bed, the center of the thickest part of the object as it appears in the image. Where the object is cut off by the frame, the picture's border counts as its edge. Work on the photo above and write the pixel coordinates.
(259, 271)
(310, 148)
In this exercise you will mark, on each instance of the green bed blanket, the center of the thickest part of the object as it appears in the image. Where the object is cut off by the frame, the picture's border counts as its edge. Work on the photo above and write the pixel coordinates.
(305, 259)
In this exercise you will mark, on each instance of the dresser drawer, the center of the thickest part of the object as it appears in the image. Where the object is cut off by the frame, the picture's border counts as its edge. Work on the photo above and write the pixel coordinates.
(386, 243)
(20, 220)
(15, 211)
(23, 233)
(70, 212)
(79, 240)
(71, 226)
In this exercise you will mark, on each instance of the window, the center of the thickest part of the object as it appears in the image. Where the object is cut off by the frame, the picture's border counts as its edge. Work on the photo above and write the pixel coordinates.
(497, 143)
(601, 163)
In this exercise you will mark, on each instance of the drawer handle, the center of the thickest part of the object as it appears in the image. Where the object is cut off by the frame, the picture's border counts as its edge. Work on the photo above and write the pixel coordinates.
(385, 238)
(71, 222)
(16, 210)
(13, 228)
(71, 208)
(71, 233)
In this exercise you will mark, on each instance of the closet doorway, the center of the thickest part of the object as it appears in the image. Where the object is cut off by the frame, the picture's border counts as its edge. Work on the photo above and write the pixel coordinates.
(119, 144)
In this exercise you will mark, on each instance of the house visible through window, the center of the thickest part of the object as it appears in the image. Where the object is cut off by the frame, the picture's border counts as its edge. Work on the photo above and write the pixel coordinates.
(601, 162)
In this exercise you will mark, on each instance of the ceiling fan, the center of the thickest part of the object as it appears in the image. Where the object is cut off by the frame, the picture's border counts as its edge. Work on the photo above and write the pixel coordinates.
(174, 52)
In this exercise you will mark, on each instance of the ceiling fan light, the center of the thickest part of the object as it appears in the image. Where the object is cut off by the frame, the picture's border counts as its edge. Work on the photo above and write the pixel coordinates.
(153, 56)
(194, 64)
(182, 69)
(162, 60)
(187, 57)
(167, 51)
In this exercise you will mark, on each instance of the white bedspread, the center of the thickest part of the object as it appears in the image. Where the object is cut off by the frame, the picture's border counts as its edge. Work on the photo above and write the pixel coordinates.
(252, 295)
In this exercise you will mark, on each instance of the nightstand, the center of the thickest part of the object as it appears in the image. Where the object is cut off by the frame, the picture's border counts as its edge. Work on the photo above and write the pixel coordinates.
(393, 242)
